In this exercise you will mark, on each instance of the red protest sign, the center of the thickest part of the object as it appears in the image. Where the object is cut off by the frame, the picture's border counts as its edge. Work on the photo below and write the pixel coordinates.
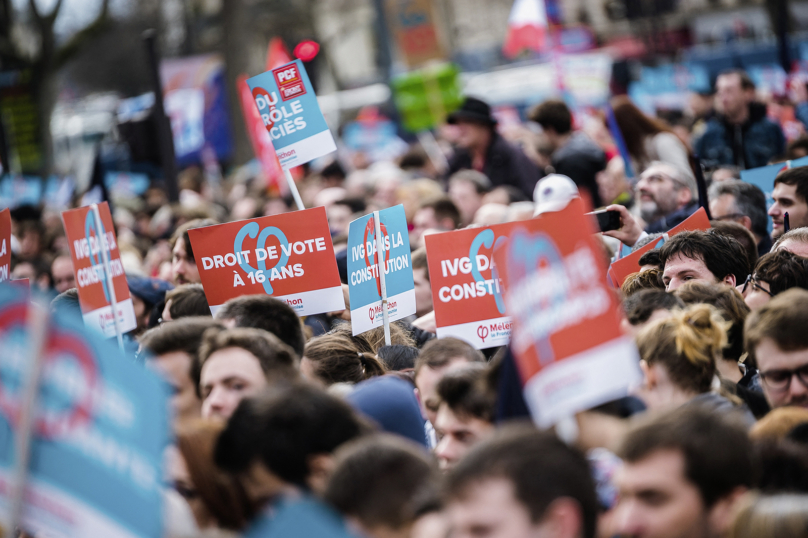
(288, 256)
(5, 244)
(86, 242)
(466, 289)
(623, 267)
(566, 338)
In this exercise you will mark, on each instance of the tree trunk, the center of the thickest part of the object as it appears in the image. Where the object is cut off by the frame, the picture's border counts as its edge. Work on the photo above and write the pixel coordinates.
(236, 61)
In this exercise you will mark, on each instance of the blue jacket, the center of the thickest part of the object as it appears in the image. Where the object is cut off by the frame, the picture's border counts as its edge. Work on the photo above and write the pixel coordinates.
(750, 145)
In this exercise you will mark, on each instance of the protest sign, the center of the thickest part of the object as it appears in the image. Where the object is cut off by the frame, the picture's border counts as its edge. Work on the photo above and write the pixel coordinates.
(89, 246)
(364, 280)
(466, 289)
(98, 429)
(5, 244)
(566, 337)
(620, 269)
(289, 110)
(288, 256)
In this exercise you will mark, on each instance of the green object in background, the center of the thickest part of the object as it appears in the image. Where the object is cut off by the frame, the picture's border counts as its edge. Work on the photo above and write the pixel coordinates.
(426, 96)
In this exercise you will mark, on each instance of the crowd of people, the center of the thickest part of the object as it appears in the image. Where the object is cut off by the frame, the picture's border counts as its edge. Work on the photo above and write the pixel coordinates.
(429, 437)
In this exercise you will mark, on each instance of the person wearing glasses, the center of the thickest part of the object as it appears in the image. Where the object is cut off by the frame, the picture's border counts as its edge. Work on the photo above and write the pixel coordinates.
(774, 273)
(776, 336)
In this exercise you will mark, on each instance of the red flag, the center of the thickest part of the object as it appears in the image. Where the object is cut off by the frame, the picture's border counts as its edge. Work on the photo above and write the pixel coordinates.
(277, 54)
(527, 28)
(259, 137)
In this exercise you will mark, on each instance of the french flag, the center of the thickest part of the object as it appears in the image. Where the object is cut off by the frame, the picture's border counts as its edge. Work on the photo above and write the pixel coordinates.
(527, 28)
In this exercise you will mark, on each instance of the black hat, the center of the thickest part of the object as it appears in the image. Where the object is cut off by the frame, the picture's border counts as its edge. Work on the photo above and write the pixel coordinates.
(473, 110)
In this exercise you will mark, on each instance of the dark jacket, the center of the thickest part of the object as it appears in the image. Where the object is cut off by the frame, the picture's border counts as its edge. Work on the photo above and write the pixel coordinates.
(750, 145)
(581, 159)
(505, 164)
(673, 219)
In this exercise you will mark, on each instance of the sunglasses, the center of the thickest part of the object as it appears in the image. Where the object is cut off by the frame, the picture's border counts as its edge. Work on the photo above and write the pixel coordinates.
(752, 280)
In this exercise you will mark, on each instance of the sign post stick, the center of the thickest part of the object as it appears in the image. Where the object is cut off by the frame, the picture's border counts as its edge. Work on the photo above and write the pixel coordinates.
(293, 187)
(108, 273)
(37, 334)
(380, 267)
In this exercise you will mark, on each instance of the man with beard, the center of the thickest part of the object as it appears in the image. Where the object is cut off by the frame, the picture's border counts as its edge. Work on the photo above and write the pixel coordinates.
(667, 195)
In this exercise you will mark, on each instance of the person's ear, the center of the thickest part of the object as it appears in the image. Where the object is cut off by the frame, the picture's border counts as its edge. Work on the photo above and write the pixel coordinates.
(562, 519)
(684, 196)
(729, 280)
(746, 222)
(649, 374)
(320, 467)
(723, 511)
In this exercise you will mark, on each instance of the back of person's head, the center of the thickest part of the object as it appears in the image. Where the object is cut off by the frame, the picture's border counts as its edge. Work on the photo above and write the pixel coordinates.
(687, 345)
(553, 114)
(283, 428)
(267, 313)
(797, 235)
(643, 280)
(749, 201)
(743, 236)
(783, 320)
(335, 358)
(721, 254)
(716, 450)
(187, 300)
(641, 305)
(397, 357)
(782, 270)
(478, 180)
(277, 360)
(444, 208)
(729, 303)
(182, 232)
(772, 516)
(650, 258)
(182, 335)
(371, 341)
(383, 483)
(67, 302)
(464, 391)
(220, 492)
(539, 466)
(778, 423)
(797, 177)
(440, 352)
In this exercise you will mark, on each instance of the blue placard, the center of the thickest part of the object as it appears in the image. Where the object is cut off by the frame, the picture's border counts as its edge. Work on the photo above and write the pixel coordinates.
(100, 430)
(305, 518)
(289, 109)
(364, 283)
(763, 178)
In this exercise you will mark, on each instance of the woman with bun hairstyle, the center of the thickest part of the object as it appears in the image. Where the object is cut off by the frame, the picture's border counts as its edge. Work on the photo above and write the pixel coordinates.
(679, 355)
(336, 358)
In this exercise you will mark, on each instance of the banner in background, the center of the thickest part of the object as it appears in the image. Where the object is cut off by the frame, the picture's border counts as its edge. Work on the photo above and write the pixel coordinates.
(288, 256)
(100, 428)
(86, 242)
(414, 25)
(5, 245)
(566, 333)
(620, 269)
(288, 107)
(196, 103)
(763, 178)
(364, 282)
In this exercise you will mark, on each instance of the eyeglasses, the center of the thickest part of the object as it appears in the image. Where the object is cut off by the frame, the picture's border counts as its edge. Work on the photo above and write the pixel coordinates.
(731, 216)
(186, 492)
(751, 279)
(780, 380)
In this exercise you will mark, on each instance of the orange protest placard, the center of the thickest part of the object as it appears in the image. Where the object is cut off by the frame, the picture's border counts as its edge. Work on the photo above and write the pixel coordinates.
(288, 256)
(86, 242)
(623, 267)
(566, 337)
(5, 244)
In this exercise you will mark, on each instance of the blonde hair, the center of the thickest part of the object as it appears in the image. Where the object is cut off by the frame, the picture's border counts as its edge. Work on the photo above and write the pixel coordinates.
(776, 516)
(687, 344)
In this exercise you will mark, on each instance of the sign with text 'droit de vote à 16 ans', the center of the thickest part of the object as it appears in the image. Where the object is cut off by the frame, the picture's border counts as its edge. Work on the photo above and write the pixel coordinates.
(289, 110)
(364, 280)
(289, 257)
(86, 242)
(467, 292)
(5, 244)
(566, 335)
(99, 432)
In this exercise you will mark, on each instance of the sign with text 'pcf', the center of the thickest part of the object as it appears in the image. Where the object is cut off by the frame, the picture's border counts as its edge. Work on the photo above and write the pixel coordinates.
(290, 112)
(288, 256)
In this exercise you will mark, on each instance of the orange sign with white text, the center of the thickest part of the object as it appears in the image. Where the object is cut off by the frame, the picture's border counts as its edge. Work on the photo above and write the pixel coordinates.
(288, 256)
(86, 241)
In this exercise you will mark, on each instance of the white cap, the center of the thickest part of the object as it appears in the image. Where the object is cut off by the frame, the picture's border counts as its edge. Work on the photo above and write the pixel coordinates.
(553, 193)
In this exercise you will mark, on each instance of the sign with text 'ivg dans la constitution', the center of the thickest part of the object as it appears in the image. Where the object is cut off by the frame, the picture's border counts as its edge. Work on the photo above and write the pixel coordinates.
(289, 109)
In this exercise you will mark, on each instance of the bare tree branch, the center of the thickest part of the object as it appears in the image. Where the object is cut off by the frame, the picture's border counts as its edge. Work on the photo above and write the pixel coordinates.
(75, 43)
